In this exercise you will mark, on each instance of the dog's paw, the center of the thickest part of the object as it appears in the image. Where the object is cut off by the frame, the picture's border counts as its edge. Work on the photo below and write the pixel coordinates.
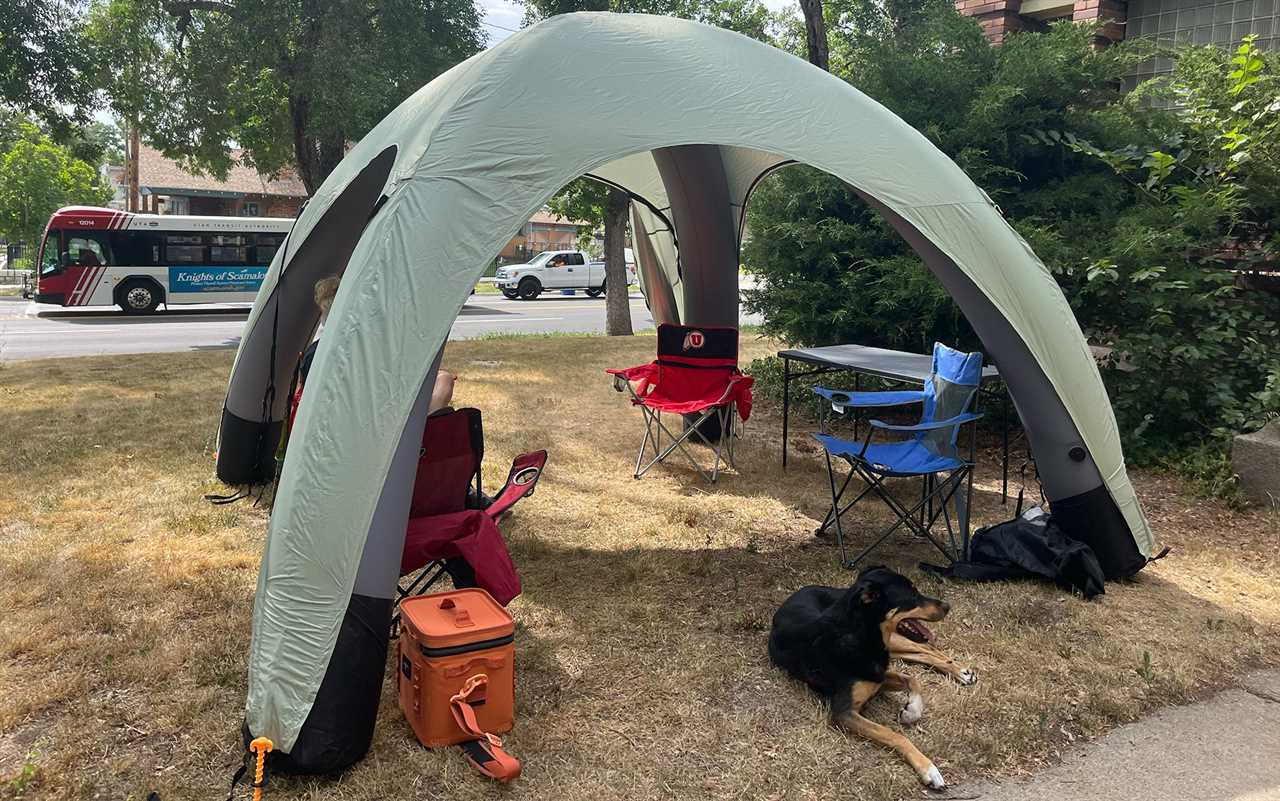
(967, 677)
(912, 712)
(932, 779)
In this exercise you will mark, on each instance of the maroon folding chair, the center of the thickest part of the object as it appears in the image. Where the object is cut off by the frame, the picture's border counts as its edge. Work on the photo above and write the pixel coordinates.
(695, 376)
(453, 525)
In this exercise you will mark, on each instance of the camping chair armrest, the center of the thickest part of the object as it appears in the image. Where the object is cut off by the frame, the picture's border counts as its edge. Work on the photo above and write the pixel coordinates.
(958, 420)
(731, 387)
(841, 400)
(644, 374)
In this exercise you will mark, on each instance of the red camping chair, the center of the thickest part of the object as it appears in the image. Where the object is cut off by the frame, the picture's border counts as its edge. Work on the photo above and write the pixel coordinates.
(695, 375)
(453, 526)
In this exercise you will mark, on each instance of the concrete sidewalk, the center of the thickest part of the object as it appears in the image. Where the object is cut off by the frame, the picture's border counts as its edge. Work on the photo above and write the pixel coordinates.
(1226, 748)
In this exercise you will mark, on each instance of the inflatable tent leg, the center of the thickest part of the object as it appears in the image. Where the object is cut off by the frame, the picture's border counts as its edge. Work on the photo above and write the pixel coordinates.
(339, 727)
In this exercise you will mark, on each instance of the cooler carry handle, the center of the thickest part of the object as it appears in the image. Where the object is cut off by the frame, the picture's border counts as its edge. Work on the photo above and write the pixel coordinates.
(485, 752)
(461, 617)
(490, 662)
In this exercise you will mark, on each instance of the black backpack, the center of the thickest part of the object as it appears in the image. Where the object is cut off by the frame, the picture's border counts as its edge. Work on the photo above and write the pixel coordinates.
(1029, 546)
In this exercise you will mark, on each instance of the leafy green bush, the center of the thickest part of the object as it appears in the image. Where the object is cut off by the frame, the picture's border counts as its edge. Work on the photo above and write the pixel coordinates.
(1137, 203)
(1195, 357)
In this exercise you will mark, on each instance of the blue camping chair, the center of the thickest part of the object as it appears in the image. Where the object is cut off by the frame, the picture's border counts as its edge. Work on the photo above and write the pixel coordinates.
(929, 451)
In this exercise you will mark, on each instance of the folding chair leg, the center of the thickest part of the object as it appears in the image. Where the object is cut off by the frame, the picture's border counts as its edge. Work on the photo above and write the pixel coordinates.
(416, 587)
(835, 504)
(907, 516)
(724, 445)
(678, 442)
(826, 521)
(648, 434)
(732, 416)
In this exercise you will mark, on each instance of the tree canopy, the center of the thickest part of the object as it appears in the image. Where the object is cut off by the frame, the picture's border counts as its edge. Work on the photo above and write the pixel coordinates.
(292, 82)
(42, 63)
(37, 177)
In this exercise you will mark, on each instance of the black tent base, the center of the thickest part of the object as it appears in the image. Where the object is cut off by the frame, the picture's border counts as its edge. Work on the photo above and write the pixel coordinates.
(339, 729)
(1093, 518)
(246, 450)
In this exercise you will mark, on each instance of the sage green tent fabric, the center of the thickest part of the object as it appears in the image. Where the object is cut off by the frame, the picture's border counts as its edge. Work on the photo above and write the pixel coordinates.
(474, 154)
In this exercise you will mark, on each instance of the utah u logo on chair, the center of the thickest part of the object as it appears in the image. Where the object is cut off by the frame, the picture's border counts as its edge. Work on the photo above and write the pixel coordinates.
(694, 340)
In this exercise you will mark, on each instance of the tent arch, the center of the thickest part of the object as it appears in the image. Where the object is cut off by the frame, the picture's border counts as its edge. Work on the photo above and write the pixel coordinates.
(463, 181)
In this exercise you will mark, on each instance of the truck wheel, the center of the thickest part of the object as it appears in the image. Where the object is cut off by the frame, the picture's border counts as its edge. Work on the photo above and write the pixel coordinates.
(138, 296)
(597, 292)
(529, 288)
(510, 294)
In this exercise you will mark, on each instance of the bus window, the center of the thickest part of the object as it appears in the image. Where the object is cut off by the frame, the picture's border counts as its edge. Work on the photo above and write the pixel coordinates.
(50, 261)
(228, 249)
(134, 248)
(268, 244)
(86, 249)
(184, 248)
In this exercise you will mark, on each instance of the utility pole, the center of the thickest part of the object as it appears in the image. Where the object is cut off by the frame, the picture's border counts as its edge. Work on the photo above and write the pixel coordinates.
(131, 166)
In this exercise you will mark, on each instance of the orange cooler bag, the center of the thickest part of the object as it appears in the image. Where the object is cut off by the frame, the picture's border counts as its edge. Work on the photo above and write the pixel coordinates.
(457, 674)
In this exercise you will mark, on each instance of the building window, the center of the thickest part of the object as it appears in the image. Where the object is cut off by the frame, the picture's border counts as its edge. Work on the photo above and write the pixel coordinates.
(1200, 22)
(250, 210)
(177, 205)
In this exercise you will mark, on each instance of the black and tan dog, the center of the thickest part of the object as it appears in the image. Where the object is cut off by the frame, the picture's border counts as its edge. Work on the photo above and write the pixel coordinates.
(838, 641)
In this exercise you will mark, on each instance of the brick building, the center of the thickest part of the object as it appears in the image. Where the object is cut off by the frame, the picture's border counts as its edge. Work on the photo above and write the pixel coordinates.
(544, 231)
(1168, 21)
(166, 188)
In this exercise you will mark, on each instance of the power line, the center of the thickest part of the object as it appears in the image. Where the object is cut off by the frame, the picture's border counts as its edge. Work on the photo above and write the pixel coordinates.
(499, 27)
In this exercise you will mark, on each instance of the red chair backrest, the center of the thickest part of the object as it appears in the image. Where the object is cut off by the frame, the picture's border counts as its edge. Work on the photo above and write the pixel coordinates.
(695, 362)
(452, 451)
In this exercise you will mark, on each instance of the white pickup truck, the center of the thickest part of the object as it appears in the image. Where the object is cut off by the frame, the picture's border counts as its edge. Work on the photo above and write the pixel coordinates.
(554, 269)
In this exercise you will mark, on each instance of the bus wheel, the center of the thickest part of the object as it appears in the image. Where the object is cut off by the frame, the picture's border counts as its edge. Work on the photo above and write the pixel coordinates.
(138, 296)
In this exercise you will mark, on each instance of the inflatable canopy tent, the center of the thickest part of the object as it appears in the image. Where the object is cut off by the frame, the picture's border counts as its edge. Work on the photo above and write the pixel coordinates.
(687, 119)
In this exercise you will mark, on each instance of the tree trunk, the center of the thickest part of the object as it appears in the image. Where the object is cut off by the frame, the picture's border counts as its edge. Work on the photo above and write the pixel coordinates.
(617, 300)
(314, 158)
(815, 30)
(133, 150)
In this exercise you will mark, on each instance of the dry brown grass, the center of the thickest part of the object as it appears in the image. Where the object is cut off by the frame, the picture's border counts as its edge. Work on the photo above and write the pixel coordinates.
(643, 672)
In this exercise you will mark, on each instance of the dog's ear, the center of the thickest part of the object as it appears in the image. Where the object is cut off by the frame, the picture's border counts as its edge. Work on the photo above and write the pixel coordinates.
(864, 591)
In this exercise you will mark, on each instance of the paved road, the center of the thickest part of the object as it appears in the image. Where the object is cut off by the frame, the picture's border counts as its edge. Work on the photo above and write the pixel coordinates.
(1226, 748)
(31, 331)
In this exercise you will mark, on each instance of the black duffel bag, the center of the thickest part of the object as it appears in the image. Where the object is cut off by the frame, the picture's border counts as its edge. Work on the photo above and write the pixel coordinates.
(1029, 546)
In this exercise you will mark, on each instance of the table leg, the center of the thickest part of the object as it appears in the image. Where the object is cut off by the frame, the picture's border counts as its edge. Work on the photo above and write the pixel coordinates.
(786, 406)
(857, 410)
(1004, 450)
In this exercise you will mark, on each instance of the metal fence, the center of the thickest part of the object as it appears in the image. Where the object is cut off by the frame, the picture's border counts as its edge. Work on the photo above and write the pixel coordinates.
(15, 264)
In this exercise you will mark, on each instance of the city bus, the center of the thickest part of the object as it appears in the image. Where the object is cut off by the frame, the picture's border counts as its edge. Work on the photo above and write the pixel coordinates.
(103, 257)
